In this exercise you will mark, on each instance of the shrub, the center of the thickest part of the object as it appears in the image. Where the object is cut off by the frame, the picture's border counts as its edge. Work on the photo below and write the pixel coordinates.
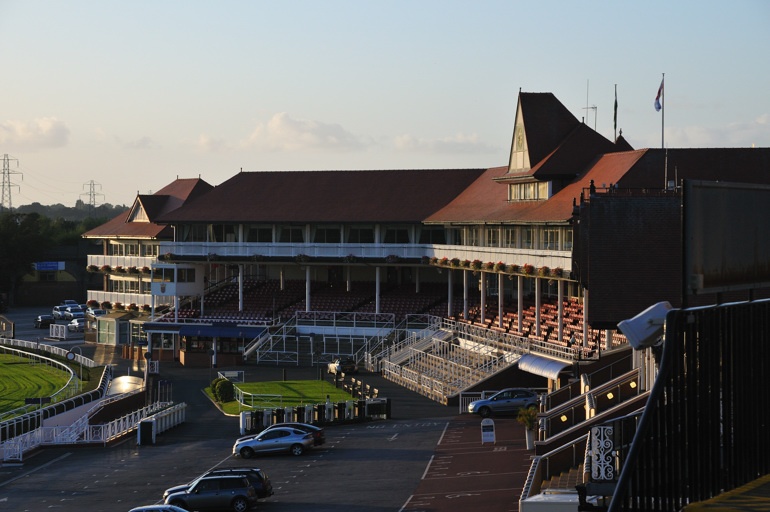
(528, 417)
(214, 387)
(224, 391)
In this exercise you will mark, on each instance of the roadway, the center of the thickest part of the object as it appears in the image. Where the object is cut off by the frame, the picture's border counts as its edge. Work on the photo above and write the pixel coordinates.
(426, 457)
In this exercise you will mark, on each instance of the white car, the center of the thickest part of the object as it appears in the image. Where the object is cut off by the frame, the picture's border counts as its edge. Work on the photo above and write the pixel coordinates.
(77, 325)
(95, 312)
(73, 312)
(343, 365)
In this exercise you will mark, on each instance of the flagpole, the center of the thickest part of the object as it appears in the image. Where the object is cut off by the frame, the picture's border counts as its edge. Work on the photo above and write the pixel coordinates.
(663, 111)
(615, 119)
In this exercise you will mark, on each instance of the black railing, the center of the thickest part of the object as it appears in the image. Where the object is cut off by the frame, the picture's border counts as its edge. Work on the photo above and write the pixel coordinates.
(706, 427)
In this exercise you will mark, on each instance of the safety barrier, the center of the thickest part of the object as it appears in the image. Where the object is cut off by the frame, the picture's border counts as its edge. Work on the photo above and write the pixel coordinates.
(317, 414)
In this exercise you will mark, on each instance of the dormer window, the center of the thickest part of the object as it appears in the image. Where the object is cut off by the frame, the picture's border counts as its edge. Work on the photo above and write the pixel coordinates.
(532, 191)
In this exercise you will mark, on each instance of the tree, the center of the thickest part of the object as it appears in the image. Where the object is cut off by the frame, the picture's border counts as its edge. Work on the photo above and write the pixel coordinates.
(26, 238)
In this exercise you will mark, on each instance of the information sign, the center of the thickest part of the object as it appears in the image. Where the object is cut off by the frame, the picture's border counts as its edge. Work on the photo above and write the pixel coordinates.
(487, 431)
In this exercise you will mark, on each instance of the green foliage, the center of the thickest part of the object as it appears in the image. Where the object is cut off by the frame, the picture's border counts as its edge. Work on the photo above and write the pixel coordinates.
(224, 391)
(528, 417)
(214, 384)
(26, 238)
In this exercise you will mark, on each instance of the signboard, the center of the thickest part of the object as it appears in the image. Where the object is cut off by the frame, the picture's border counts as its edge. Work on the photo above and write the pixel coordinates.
(487, 431)
(726, 246)
(48, 266)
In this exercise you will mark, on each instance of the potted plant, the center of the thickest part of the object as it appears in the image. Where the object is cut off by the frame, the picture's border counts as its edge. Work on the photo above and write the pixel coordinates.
(527, 416)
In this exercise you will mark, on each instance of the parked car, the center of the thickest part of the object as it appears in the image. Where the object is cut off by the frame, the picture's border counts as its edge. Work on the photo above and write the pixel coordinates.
(42, 321)
(69, 302)
(219, 492)
(279, 439)
(157, 508)
(77, 325)
(259, 480)
(343, 365)
(507, 401)
(96, 312)
(58, 312)
(73, 312)
(319, 435)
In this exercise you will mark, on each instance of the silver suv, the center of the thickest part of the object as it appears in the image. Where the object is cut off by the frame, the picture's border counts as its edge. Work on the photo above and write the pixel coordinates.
(507, 401)
(220, 492)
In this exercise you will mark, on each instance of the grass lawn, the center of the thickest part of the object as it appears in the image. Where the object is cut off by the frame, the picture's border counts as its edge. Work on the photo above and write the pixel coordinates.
(22, 378)
(292, 393)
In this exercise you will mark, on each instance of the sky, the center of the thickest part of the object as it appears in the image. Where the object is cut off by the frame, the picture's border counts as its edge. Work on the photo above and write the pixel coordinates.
(104, 99)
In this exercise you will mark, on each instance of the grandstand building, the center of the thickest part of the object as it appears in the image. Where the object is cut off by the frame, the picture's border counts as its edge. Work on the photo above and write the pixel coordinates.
(491, 248)
(447, 281)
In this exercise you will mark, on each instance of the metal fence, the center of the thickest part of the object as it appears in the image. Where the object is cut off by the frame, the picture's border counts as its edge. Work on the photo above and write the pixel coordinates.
(706, 427)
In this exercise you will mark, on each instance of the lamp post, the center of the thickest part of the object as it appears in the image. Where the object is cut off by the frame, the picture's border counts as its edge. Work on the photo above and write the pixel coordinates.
(71, 357)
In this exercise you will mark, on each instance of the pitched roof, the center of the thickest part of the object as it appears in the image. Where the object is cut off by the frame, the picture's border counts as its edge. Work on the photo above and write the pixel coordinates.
(166, 199)
(547, 123)
(487, 201)
(738, 165)
(327, 196)
(578, 149)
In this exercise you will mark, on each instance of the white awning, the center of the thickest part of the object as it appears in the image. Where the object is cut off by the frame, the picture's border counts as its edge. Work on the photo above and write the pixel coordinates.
(543, 366)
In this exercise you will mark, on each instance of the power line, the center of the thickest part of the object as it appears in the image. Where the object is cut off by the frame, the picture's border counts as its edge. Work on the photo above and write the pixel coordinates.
(5, 201)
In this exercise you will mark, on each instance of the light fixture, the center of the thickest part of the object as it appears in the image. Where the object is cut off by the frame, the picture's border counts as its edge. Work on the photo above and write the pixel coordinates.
(645, 329)
(610, 396)
(633, 384)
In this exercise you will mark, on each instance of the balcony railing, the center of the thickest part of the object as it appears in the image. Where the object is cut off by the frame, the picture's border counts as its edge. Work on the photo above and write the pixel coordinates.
(124, 261)
(342, 252)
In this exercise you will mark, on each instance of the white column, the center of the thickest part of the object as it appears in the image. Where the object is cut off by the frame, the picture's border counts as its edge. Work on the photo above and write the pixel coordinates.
(483, 297)
(240, 287)
(465, 294)
(585, 318)
(537, 307)
(560, 295)
(520, 301)
(500, 284)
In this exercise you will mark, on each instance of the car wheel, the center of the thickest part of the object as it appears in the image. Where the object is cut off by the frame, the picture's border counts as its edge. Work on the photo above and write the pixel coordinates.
(297, 449)
(180, 504)
(247, 452)
(240, 505)
(485, 412)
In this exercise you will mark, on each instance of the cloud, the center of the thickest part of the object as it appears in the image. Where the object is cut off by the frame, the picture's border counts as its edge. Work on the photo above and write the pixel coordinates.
(42, 133)
(457, 144)
(284, 133)
(141, 143)
(210, 144)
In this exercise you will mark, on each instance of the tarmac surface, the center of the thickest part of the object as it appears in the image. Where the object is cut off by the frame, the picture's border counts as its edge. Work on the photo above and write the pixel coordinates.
(426, 457)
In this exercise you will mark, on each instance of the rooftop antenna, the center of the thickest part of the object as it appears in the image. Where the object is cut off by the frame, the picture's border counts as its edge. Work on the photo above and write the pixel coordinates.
(592, 107)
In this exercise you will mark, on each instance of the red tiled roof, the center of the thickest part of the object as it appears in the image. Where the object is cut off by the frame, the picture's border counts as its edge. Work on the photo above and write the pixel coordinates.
(487, 201)
(166, 199)
(327, 196)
